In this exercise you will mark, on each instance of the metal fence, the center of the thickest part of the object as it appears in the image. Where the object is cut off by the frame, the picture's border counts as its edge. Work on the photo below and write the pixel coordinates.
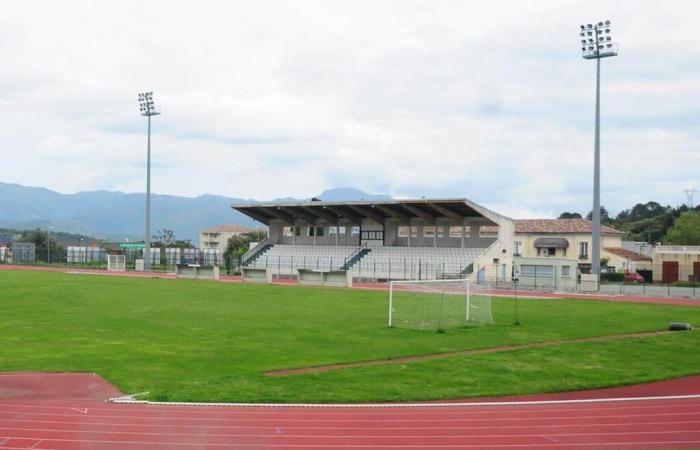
(162, 259)
(374, 270)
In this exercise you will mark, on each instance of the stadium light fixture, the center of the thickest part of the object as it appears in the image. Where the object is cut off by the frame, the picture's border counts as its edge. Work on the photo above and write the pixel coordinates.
(597, 43)
(148, 109)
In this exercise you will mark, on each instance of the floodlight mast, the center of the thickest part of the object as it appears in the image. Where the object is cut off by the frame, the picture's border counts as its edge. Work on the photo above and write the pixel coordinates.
(148, 109)
(597, 43)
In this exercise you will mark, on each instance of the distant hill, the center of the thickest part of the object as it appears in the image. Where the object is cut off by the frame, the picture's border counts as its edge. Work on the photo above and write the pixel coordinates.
(118, 215)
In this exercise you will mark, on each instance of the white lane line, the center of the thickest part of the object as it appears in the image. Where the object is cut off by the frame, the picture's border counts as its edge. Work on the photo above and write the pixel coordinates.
(372, 420)
(345, 412)
(122, 400)
(274, 428)
(80, 410)
(354, 436)
(374, 446)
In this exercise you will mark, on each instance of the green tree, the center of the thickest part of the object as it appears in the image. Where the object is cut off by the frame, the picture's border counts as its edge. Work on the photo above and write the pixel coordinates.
(604, 216)
(40, 238)
(686, 230)
(569, 215)
(236, 247)
(164, 237)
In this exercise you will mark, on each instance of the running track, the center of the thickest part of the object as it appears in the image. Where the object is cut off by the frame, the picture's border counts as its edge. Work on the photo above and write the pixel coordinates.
(67, 411)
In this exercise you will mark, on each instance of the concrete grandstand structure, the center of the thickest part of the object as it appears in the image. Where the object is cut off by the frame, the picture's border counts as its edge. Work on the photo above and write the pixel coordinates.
(384, 239)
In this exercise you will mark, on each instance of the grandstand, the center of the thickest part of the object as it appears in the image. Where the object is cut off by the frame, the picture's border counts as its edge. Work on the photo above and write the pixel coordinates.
(384, 240)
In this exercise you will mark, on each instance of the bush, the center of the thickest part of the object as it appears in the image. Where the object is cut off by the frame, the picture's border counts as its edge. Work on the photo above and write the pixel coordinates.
(614, 277)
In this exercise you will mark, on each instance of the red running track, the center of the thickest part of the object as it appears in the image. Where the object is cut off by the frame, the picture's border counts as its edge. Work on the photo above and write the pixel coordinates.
(73, 417)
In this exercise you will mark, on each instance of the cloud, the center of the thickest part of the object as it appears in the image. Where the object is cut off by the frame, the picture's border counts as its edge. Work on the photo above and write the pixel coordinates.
(489, 101)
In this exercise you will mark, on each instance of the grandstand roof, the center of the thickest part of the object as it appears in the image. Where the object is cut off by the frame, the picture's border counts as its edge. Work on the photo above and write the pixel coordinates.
(377, 210)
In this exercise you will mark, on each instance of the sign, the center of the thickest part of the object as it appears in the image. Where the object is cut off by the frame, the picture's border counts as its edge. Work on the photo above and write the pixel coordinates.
(138, 245)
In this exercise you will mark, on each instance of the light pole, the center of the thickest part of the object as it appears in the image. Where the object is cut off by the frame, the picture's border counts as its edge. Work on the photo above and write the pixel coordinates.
(148, 109)
(597, 43)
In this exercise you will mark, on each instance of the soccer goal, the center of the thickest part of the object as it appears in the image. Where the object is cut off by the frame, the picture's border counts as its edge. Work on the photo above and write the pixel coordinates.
(116, 263)
(437, 305)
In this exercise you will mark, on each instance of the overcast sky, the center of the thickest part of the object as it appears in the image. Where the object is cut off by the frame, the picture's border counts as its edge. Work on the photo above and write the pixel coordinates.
(263, 99)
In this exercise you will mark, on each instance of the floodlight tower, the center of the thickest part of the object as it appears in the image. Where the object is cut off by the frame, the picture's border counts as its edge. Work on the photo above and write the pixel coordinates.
(597, 43)
(148, 109)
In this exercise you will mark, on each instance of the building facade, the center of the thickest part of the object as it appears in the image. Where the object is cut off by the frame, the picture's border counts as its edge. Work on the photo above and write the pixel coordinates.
(217, 237)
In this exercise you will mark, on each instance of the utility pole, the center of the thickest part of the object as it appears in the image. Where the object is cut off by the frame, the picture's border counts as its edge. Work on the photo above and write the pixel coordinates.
(690, 192)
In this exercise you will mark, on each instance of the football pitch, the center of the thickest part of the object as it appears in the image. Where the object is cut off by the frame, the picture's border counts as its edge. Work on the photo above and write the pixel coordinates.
(183, 340)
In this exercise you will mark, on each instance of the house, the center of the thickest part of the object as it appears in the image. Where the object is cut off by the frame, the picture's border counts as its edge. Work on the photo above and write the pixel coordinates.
(572, 239)
(217, 237)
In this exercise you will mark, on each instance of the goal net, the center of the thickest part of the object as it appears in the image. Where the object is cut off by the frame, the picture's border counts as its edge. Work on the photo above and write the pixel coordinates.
(437, 305)
(116, 263)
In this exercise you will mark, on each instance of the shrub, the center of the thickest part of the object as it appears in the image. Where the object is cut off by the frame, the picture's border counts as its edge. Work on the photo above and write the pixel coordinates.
(614, 277)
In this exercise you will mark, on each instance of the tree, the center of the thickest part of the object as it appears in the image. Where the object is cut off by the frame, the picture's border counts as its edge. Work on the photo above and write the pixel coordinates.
(236, 247)
(686, 230)
(604, 215)
(40, 238)
(165, 237)
(569, 215)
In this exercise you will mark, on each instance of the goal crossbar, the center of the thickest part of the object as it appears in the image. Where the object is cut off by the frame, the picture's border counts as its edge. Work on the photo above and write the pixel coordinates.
(436, 304)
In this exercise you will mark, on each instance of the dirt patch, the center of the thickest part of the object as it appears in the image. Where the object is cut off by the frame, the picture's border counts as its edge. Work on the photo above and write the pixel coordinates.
(55, 386)
(480, 351)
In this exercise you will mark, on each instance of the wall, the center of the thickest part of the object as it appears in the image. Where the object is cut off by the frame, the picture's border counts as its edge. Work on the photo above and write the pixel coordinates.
(685, 262)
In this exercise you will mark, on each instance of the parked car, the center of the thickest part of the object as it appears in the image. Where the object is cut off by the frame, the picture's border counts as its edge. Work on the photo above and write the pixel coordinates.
(632, 277)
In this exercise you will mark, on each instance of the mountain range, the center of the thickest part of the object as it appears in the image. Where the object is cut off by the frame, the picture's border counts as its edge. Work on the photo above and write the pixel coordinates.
(118, 215)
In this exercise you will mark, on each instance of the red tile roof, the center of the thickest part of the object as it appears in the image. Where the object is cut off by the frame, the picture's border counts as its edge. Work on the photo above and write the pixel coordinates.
(563, 226)
(227, 229)
(556, 226)
(628, 254)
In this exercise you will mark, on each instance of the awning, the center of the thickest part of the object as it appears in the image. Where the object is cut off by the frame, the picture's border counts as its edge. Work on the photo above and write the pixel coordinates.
(551, 242)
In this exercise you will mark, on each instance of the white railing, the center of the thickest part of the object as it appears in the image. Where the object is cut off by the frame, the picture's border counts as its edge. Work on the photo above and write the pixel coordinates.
(678, 249)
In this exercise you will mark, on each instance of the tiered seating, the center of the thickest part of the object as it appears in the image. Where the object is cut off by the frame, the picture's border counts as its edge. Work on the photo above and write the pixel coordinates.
(415, 262)
(285, 259)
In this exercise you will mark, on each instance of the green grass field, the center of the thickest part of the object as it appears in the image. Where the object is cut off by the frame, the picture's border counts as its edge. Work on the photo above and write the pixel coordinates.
(207, 341)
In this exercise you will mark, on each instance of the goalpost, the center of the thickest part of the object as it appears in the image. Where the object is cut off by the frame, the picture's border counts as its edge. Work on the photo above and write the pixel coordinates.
(116, 263)
(437, 305)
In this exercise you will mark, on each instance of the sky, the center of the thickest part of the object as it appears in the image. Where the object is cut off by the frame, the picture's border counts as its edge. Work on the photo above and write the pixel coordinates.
(266, 99)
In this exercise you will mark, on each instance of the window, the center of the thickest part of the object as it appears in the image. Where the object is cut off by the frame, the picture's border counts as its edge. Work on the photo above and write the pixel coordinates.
(342, 230)
(456, 232)
(583, 249)
(297, 231)
(319, 231)
(414, 231)
(332, 231)
(551, 251)
(403, 232)
(518, 248)
(429, 231)
(355, 231)
(536, 271)
(565, 271)
(467, 232)
(372, 235)
(488, 231)
(310, 231)
(440, 231)
(286, 231)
